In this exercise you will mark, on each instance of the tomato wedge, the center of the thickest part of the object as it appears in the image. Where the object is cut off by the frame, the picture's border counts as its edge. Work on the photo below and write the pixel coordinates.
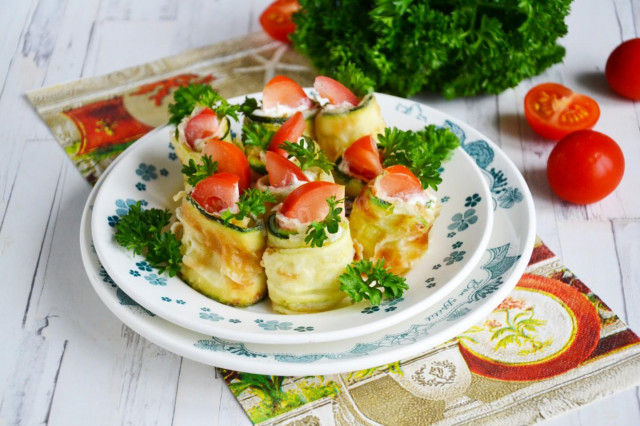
(276, 19)
(281, 90)
(230, 159)
(290, 131)
(201, 126)
(335, 91)
(282, 172)
(308, 202)
(363, 159)
(398, 182)
(553, 110)
(217, 192)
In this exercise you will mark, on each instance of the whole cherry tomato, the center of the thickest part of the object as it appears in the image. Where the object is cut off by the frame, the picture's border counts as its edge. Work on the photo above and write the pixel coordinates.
(623, 69)
(276, 19)
(554, 111)
(585, 166)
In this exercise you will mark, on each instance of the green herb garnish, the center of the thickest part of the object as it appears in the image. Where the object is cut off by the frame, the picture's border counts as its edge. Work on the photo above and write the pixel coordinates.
(422, 152)
(308, 155)
(251, 204)
(317, 231)
(142, 232)
(186, 98)
(197, 172)
(365, 280)
(355, 80)
(453, 47)
(254, 134)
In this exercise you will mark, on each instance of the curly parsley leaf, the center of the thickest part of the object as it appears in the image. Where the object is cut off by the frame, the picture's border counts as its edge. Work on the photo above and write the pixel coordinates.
(251, 204)
(363, 279)
(308, 154)
(255, 134)
(197, 172)
(141, 231)
(453, 47)
(186, 98)
(422, 152)
(355, 80)
(248, 106)
(317, 231)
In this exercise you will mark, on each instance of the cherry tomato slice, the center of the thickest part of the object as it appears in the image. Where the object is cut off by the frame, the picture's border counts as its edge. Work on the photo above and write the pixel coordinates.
(217, 192)
(201, 126)
(290, 131)
(398, 182)
(363, 158)
(276, 19)
(623, 69)
(553, 110)
(334, 91)
(308, 203)
(284, 91)
(230, 159)
(585, 166)
(282, 172)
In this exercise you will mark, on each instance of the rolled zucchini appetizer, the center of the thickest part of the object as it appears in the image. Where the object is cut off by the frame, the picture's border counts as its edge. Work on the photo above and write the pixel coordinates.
(193, 132)
(303, 278)
(391, 220)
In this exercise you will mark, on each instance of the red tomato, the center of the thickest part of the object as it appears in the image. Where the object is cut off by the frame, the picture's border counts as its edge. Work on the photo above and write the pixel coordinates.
(217, 192)
(290, 131)
(308, 203)
(334, 91)
(623, 69)
(200, 126)
(553, 110)
(284, 91)
(398, 182)
(230, 159)
(585, 166)
(363, 158)
(276, 19)
(282, 172)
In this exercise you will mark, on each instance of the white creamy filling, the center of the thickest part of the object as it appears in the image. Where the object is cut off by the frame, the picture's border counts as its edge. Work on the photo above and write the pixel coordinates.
(301, 228)
(413, 205)
(283, 111)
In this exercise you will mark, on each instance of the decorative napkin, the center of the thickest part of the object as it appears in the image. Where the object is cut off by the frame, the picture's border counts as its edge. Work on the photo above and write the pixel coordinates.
(549, 347)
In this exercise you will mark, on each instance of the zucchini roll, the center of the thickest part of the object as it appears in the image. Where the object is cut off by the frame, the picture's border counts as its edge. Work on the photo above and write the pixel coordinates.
(194, 131)
(302, 276)
(221, 258)
(391, 219)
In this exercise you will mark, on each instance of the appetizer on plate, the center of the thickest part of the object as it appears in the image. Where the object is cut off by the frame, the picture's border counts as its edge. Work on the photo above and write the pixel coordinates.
(359, 163)
(308, 247)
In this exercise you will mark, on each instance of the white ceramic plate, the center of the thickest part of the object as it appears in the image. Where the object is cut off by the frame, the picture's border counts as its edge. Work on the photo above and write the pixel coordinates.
(501, 266)
(149, 171)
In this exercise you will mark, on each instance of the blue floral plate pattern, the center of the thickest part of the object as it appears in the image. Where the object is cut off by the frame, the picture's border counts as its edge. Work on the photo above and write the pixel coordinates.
(149, 172)
(501, 265)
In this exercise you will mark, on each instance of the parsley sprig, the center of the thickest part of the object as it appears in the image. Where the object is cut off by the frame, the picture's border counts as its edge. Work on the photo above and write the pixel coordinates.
(142, 232)
(186, 98)
(197, 172)
(355, 80)
(254, 134)
(307, 153)
(317, 231)
(251, 204)
(422, 152)
(364, 279)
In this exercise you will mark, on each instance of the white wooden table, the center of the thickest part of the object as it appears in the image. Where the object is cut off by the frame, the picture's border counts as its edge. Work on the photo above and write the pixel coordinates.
(65, 359)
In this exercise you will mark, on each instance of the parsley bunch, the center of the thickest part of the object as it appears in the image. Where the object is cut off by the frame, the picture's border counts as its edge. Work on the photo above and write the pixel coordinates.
(142, 232)
(317, 231)
(308, 154)
(364, 279)
(186, 98)
(453, 47)
(251, 204)
(422, 151)
(197, 172)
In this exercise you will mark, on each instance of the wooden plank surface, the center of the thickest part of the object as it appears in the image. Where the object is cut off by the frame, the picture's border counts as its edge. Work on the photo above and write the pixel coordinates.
(65, 359)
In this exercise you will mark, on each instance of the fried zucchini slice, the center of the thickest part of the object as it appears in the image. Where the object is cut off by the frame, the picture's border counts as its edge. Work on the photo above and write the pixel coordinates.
(221, 261)
(184, 150)
(397, 232)
(337, 129)
(303, 279)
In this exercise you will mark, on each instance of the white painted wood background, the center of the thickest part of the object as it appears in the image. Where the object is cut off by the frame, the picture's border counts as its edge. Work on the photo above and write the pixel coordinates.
(65, 359)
